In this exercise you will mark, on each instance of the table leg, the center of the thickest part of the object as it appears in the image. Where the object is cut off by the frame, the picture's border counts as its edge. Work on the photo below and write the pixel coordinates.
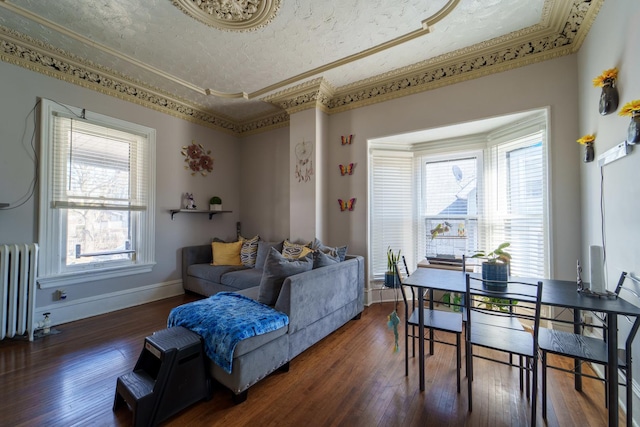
(612, 368)
(421, 336)
(576, 362)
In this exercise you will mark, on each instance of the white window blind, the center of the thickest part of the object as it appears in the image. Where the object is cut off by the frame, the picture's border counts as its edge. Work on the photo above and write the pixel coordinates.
(96, 196)
(517, 199)
(391, 209)
(97, 167)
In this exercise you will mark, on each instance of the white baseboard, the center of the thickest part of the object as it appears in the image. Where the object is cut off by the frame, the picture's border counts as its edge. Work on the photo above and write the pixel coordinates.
(69, 311)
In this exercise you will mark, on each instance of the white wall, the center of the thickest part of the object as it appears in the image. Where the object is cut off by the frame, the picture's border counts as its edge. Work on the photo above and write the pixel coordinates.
(612, 42)
(264, 177)
(21, 89)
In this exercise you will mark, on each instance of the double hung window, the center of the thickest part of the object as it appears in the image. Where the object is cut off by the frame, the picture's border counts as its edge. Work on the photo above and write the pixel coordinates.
(97, 195)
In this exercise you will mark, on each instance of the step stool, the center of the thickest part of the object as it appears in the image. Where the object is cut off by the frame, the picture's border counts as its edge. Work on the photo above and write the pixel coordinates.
(169, 376)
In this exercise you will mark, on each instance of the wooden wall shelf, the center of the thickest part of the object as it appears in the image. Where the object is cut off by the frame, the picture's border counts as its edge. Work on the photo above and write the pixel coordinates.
(211, 213)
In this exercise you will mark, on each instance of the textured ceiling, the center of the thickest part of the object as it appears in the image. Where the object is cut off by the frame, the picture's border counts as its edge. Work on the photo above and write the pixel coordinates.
(333, 54)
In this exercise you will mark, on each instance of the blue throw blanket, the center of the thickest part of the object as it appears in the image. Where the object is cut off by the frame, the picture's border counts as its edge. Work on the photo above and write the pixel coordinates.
(223, 320)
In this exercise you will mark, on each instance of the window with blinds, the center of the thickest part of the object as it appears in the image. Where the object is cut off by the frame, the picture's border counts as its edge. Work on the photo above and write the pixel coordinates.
(97, 205)
(450, 206)
(464, 197)
(391, 212)
(517, 199)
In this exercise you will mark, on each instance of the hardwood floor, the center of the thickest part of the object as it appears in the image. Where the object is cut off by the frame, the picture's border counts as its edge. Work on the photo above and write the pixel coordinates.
(351, 378)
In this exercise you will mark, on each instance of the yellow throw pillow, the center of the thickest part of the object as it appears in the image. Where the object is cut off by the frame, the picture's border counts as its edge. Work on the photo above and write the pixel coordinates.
(226, 253)
(294, 250)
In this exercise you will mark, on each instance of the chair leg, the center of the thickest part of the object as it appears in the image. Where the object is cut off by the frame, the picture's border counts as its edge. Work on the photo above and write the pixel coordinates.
(406, 346)
(413, 341)
(458, 360)
(544, 385)
(521, 374)
(469, 363)
(629, 395)
(534, 390)
(606, 387)
(528, 361)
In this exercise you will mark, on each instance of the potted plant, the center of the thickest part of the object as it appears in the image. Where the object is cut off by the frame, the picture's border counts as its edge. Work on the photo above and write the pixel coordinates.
(215, 203)
(496, 267)
(390, 276)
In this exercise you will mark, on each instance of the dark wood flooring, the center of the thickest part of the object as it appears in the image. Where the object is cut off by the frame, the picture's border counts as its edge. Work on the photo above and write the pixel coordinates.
(351, 378)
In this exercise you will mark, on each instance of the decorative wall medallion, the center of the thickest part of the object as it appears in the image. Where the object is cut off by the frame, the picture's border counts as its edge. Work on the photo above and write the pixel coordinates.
(237, 15)
(198, 160)
(304, 165)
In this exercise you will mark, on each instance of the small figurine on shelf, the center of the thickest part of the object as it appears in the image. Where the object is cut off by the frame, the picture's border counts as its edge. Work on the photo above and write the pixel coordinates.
(191, 204)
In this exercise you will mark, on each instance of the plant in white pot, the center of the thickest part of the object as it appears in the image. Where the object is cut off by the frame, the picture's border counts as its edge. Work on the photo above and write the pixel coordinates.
(215, 203)
(495, 270)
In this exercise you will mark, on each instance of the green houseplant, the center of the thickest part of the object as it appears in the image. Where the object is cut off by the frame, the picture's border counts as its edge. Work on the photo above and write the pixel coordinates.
(215, 203)
(495, 268)
(390, 275)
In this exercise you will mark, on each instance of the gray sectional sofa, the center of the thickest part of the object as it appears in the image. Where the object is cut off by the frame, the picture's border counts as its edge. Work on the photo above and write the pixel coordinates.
(317, 301)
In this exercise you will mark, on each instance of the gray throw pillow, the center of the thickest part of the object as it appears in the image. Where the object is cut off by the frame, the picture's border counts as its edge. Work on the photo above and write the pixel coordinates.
(340, 251)
(263, 251)
(276, 269)
(321, 259)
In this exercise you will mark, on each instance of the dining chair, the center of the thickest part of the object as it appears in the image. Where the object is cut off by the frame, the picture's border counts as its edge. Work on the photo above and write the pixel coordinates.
(504, 333)
(434, 320)
(589, 349)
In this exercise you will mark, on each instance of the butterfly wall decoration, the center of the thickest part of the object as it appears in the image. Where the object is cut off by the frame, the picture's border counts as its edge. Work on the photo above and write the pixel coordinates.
(347, 169)
(346, 140)
(347, 205)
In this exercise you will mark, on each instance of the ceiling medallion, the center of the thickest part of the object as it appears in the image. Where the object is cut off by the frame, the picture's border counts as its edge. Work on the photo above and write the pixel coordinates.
(237, 15)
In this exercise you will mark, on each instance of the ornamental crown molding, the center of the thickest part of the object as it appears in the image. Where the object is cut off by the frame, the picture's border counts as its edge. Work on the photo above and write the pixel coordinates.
(550, 39)
(231, 15)
(316, 93)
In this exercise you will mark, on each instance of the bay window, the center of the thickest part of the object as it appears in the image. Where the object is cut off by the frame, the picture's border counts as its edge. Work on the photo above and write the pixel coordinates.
(463, 196)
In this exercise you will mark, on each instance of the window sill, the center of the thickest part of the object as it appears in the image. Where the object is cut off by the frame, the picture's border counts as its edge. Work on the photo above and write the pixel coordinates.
(88, 276)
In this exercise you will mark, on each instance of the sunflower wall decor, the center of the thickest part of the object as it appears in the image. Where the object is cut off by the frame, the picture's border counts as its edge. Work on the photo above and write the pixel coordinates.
(197, 158)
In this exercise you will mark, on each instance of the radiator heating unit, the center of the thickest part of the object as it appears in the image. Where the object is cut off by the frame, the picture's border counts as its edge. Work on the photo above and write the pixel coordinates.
(18, 272)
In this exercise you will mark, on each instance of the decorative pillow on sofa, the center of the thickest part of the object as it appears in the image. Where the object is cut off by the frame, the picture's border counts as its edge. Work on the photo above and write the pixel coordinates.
(249, 251)
(263, 251)
(226, 253)
(276, 269)
(294, 250)
(320, 259)
(340, 251)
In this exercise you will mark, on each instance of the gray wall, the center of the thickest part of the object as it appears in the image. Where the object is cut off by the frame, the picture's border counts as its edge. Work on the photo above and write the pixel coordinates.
(612, 42)
(21, 88)
(264, 178)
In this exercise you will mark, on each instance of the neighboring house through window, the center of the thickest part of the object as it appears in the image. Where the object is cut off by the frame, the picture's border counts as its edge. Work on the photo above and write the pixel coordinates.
(97, 192)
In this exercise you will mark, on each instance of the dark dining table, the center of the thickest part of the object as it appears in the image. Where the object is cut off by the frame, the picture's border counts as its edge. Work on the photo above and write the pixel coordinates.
(557, 293)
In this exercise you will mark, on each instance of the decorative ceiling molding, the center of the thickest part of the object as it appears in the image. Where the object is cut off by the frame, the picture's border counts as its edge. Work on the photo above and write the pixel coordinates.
(515, 50)
(24, 51)
(547, 40)
(316, 93)
(233, 15)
